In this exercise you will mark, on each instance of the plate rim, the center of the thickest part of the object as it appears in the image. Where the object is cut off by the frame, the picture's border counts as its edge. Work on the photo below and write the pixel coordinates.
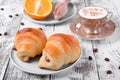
(39, 73)
(52, 22)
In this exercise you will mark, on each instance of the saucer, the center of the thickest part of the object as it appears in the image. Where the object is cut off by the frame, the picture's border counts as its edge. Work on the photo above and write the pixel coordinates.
(79, 30)
(50, 19)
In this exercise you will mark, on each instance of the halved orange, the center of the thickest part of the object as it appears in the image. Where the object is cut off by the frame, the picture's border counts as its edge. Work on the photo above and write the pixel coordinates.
(51, 0)
(38, 9)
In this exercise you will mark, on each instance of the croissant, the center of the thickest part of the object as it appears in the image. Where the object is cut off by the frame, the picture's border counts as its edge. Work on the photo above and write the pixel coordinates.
(29, 43)
(60, 49)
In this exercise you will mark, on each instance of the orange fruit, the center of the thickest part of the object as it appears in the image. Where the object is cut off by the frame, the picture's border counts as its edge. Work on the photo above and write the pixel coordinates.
(51, 0)
(38, 9)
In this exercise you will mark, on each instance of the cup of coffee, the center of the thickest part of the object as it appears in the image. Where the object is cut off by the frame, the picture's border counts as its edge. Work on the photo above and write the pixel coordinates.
(93, 19)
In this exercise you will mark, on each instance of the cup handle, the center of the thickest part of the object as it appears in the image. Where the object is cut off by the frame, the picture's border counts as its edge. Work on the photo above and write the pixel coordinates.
(109, 15)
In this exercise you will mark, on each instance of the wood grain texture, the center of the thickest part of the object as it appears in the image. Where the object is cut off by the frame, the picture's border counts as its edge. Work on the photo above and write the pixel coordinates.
(6, 25)
(100, 65)
(8, 2)
(14, 73)
(109, 48)
(4, 58)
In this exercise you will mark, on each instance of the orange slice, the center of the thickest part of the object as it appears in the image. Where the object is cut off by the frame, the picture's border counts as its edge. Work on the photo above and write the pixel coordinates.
(51, 0)
(38, 9)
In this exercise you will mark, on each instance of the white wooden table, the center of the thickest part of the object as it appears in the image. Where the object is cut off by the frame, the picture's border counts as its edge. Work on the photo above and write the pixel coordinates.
(100, 59)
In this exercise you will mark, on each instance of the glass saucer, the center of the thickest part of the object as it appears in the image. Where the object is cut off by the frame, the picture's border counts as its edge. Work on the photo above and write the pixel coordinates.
(78, 29)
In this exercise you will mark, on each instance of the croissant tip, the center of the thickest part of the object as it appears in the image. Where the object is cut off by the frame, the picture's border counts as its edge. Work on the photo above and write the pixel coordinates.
(26, 58)
(14, 48)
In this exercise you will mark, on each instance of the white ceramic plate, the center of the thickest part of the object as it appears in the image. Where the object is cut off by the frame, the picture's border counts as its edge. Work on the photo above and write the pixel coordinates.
(50, 20)
(32, 66)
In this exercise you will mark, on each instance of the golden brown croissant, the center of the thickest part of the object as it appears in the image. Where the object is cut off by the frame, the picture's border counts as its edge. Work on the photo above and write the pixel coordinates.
(29, 43)
(60, 49)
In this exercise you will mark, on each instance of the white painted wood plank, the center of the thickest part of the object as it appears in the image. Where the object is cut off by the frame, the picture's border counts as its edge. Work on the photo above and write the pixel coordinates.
(8, 2)
(106, 48)
(6, 25)
(109, 47)
(116, 4)
(4, 58)
(13, 73)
